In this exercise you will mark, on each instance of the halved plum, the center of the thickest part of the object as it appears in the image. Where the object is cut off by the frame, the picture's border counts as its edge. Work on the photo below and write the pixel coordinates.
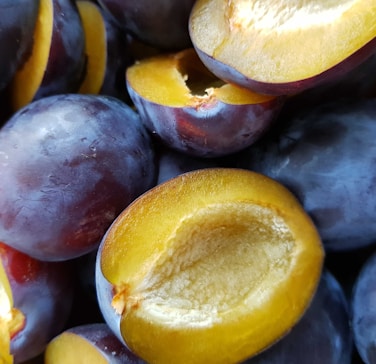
(282, 47)
(107, 52)
(189, 109)
(211, 266)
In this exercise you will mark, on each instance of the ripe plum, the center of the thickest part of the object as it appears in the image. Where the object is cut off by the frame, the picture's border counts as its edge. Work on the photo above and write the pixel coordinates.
(68, 165)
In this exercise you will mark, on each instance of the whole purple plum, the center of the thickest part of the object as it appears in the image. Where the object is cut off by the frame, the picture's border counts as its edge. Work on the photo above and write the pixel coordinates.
(323, 335)
(326, 156)
(69, 164)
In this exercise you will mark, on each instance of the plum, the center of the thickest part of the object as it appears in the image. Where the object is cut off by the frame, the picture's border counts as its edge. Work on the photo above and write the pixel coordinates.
(17, 22)
(323, 335)
(90, 343)
(43, 294)
(196, 269)
(162, 23)
(190, 110)
(325, 156)
(363, 308)
(282, 47)
(69, 164)
(56, 63)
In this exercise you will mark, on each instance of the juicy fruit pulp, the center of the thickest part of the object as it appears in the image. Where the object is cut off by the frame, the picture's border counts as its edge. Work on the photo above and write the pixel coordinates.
(211, 281)
(281, 42)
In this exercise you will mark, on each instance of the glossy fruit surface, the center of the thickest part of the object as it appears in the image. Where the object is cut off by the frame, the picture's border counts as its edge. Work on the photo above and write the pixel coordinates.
(17, 22)
(68, 165)
(282, 47)
(210, 282)
(192, 111)
(325, 156)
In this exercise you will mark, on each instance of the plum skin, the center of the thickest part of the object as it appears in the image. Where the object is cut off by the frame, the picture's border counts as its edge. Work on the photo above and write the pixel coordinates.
(68, 165)
(324, 155)
(207, 131)
(17, 22)
(363, 317)
(162, 23)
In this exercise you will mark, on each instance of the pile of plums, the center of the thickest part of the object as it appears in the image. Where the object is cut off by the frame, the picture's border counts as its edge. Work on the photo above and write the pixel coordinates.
(102, 101)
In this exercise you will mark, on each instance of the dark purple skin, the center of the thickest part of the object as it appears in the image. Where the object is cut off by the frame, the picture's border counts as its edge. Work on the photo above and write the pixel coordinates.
(160, 23)
(66, 61)
(323, 335)
(211, 130)
(101, 336)
(232, 75)
(69, 164)
(363, 308)
(43, 292)
(172, 163)
(357, 83)
(325, 156)
(17, 23)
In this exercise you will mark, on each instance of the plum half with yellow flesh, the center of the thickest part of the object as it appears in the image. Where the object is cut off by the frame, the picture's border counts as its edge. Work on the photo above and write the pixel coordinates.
(212, 266)
(282, 46)
(190, 110)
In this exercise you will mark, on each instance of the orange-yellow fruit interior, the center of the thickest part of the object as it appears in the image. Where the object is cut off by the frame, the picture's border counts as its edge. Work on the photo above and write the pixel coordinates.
(231, 269)
(95, 47)
(282, 41)
(181, 80)
(28, 78)
(70, 348)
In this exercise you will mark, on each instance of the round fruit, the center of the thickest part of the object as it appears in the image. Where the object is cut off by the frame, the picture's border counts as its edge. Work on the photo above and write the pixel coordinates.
(69, 164)
(215, 265)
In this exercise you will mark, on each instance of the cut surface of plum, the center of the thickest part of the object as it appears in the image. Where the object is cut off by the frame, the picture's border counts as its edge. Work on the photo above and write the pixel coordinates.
(282, 46)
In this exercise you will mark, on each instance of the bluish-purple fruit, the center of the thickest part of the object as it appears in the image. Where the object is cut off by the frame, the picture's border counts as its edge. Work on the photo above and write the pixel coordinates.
(69, 164)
